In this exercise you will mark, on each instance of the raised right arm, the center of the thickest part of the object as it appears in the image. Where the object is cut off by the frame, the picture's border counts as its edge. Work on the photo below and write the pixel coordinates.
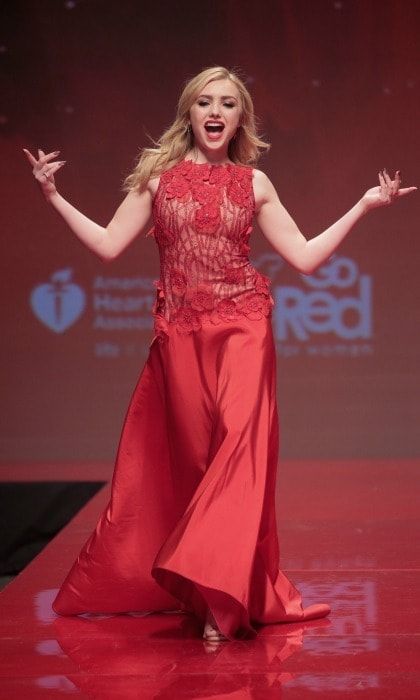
(108, 242)
(130, 219)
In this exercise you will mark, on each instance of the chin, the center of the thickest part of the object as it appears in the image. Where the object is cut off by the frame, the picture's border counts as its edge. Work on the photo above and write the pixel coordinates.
(216, 145)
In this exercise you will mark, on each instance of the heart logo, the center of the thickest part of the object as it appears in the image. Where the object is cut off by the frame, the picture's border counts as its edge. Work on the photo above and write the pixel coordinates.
(58, 303)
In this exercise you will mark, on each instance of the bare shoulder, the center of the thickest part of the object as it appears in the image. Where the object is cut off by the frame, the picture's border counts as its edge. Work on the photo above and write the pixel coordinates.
(146, 195)
(263, 188)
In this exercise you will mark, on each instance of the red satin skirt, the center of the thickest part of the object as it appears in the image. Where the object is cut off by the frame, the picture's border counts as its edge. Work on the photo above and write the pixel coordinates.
(191, 522)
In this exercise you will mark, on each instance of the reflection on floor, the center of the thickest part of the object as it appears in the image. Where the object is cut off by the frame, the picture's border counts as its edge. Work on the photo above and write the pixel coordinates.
(349, 534)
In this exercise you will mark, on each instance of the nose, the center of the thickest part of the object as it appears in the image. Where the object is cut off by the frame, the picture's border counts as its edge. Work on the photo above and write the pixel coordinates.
(215, 111)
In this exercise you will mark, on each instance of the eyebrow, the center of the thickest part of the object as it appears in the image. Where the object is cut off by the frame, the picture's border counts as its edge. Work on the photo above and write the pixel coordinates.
(224, 97)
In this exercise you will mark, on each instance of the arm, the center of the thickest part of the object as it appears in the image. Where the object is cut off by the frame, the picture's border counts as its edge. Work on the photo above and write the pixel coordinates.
(284, 235)
(108, 242)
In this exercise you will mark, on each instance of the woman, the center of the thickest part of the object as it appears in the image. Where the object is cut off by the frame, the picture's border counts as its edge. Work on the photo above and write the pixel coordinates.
(191, 522)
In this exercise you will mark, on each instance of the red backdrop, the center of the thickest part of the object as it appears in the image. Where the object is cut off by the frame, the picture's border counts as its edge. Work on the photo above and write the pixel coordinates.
(336, 88)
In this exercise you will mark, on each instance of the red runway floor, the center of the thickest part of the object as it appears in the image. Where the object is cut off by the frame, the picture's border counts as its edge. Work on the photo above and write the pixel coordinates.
(349, 536)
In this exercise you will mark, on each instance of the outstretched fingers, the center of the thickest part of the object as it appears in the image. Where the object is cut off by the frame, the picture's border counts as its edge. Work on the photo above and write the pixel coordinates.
(42, 157)
(391, 189)
(43, 168)
(45, 158)
(394, 186)
(406, 190)
(384, 180)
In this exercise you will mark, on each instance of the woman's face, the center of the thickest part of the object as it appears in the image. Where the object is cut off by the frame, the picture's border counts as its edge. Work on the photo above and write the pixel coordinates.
(215, 115)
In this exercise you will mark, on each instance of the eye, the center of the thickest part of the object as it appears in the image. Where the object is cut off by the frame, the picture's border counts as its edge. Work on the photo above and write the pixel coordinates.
(202, 103)
(229, 104)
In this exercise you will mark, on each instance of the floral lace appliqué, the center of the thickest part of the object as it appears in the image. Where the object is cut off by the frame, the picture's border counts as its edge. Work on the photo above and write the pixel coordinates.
(203, 221)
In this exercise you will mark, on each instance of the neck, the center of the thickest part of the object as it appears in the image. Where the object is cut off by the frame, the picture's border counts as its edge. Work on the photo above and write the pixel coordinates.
(201, 155)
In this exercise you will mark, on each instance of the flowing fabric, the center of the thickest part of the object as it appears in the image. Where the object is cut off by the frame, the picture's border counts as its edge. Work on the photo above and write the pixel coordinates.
(191, 523)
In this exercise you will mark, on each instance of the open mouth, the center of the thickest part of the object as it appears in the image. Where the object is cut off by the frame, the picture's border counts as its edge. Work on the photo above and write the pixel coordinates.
(214, 127)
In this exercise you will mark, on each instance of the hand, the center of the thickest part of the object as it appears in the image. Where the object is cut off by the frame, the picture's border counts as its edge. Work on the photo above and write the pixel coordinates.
(43, 170)
(387, 192)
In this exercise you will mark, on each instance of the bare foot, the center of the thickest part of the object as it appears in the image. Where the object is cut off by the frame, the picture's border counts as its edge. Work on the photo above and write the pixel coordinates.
(211, 631)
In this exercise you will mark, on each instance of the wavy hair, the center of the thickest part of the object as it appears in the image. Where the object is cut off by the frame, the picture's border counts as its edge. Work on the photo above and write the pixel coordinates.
(174, 144)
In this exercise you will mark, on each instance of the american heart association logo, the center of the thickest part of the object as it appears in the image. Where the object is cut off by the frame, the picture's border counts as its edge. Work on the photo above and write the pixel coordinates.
(59, 303)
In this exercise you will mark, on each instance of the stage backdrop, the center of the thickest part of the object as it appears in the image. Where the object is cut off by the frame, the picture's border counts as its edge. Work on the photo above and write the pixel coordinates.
(337, 91)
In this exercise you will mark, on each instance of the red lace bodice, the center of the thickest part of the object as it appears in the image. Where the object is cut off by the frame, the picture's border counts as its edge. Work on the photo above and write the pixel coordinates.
(202, 224)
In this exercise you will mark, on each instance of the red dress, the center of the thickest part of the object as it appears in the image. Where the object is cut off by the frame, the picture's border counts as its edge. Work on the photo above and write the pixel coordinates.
(191, 522)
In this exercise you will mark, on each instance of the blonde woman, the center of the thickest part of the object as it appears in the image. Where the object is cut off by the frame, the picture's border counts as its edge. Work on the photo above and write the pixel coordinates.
(191, 522)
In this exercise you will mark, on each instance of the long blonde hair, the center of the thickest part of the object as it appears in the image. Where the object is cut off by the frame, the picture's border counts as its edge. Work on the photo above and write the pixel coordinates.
(178, 139)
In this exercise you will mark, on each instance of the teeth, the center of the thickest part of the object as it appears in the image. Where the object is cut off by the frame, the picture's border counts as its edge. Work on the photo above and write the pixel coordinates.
(214, 126)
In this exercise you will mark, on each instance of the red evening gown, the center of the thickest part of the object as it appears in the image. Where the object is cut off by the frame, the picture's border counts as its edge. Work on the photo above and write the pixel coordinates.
(191, 522)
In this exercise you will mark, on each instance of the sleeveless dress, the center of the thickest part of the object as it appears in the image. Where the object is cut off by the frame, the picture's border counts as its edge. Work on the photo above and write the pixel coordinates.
(191, 521)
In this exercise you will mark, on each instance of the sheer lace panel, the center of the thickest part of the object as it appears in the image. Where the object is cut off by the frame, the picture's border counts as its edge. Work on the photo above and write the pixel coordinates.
(202, 224)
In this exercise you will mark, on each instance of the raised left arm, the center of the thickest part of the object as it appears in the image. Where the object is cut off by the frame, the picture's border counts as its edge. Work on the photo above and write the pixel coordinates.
(284, 235)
